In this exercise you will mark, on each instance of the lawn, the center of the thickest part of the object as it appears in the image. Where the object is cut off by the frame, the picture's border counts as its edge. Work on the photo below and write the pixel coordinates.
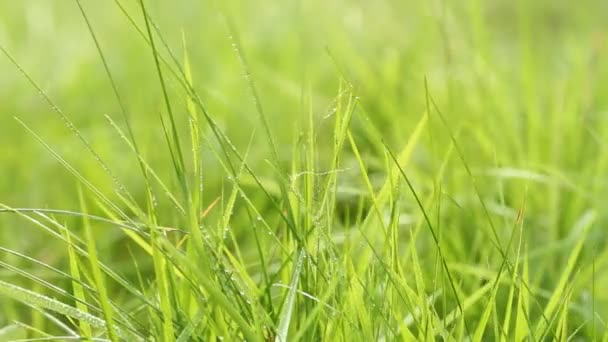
(303, 170)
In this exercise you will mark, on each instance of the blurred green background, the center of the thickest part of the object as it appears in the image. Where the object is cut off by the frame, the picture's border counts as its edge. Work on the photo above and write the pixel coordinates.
(494, 63)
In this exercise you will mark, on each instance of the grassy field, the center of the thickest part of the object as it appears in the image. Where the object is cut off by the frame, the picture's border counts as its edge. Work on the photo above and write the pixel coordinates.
(303, 170)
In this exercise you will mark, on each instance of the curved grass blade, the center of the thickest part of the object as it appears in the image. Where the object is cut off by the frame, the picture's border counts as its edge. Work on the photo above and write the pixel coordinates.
(37, 300)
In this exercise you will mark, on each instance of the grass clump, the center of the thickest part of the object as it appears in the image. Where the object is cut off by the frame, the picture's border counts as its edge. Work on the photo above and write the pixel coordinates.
(303, 172)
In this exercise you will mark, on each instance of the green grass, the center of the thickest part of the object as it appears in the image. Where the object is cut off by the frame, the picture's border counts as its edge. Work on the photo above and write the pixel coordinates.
(303, 171)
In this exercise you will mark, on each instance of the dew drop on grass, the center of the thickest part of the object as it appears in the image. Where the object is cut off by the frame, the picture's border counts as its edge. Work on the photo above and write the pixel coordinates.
(259, 218)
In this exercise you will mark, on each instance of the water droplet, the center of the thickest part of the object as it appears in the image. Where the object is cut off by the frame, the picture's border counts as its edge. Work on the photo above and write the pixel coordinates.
(259, 218)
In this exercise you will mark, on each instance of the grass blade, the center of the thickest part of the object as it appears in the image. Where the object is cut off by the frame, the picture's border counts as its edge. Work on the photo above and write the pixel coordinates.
(287, 310)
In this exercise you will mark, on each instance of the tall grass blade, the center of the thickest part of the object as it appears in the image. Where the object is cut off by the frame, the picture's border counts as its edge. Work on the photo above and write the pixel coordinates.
(287, 310)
